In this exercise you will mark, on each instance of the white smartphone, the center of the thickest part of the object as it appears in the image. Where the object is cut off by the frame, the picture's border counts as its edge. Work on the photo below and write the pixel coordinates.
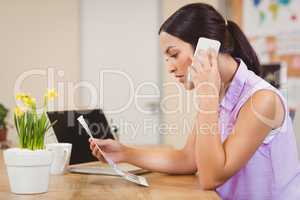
(203, 44)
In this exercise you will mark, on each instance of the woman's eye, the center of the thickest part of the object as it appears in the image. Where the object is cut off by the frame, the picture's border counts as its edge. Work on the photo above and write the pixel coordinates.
(174, 55)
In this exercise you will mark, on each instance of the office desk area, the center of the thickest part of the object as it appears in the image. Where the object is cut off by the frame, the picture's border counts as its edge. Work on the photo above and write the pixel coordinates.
(82, 186)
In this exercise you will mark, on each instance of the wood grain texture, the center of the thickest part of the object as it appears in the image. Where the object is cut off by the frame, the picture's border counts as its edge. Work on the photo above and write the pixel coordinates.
(80, 187)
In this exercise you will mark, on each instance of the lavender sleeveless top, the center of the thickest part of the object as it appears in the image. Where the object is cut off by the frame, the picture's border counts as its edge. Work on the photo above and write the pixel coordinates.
(273, 172)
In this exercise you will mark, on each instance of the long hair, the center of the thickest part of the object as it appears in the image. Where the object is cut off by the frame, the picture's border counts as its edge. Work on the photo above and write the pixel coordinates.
(202, 20)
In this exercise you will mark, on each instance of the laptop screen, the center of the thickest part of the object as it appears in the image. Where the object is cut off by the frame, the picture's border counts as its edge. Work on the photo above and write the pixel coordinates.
(67, 129)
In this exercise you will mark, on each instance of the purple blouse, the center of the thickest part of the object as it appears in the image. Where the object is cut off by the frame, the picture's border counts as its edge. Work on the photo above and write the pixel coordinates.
(273, 172)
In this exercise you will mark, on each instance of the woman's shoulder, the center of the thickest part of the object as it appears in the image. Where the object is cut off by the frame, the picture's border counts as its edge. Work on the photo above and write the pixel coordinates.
(267, 106)
(262, 99)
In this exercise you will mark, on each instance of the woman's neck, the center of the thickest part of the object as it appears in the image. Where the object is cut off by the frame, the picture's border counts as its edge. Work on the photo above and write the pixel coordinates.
(227, 69)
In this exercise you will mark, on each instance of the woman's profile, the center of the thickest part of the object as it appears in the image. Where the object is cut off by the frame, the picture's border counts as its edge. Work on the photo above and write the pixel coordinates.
(242, 143)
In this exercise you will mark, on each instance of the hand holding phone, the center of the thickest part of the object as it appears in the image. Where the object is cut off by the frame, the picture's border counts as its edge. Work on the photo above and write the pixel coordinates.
(204, 44)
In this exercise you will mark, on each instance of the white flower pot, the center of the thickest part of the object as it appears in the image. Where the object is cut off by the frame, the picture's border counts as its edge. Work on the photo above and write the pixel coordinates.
(28, 171)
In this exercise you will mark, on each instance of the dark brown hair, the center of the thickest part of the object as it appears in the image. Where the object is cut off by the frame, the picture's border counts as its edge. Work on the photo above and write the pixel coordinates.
(202, 20)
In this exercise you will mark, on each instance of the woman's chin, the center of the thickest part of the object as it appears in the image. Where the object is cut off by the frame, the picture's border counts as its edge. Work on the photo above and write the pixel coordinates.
(188, 85)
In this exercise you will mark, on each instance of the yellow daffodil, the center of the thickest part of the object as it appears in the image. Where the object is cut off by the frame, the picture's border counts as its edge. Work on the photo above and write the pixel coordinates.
(51, 94)
(32, 126)
(26, 99)
(19, 112)
(33, 102)
(29, 101)
(20, 95)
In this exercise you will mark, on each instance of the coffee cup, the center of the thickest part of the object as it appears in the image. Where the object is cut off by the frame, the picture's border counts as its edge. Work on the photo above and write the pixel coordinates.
(61, 153)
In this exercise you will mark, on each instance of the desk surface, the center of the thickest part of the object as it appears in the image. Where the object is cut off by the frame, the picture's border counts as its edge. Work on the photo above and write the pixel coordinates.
(80, 186)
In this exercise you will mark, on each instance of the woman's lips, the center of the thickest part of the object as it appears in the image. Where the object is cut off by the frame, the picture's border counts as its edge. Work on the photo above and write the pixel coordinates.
(180, 78)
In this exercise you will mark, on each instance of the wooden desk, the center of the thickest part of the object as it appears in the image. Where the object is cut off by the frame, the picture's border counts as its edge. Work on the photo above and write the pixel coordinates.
(79, 186)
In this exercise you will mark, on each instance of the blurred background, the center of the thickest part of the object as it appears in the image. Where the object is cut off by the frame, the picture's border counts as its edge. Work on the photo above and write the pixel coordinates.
(105, 53)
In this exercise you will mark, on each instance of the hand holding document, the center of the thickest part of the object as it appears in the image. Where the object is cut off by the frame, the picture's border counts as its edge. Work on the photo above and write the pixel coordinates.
(140, 180)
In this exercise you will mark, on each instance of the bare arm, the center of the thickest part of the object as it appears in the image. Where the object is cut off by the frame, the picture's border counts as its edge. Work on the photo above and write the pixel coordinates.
(217, 161)
(160, 159)
(166, 160)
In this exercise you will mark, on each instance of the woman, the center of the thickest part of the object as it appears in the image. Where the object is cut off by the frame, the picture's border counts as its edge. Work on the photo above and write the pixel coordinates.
(242, 144)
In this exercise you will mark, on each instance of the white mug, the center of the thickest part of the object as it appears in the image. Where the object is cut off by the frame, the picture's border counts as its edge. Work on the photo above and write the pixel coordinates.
(61, 157)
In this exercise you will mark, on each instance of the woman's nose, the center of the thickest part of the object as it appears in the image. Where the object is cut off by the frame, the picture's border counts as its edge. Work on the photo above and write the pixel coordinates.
(171, 69)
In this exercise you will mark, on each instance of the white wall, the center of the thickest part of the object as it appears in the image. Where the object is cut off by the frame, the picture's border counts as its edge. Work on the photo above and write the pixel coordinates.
(121, 36)
(37, 34)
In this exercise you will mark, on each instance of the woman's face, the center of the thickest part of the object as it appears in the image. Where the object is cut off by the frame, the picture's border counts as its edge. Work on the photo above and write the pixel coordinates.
(177, 55)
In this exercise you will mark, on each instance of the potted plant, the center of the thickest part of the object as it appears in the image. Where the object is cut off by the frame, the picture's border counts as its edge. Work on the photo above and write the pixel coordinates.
(3, 128)
(28, 167)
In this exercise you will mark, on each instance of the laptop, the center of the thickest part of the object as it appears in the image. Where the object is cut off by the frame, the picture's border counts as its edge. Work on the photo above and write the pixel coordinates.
(68, 130)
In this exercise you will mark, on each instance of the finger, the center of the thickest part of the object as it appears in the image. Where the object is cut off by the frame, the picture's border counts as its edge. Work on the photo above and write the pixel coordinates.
(93, 143)
(98, 155)
(95, 151)
(192, 67)
(213, 57)
(193, 71)
(91, 146)
(102, 142)
(102, 159)
(196, 66)
(198, 53)
(205, 61)
(98, 147)
(190, 63)
(197, 60)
